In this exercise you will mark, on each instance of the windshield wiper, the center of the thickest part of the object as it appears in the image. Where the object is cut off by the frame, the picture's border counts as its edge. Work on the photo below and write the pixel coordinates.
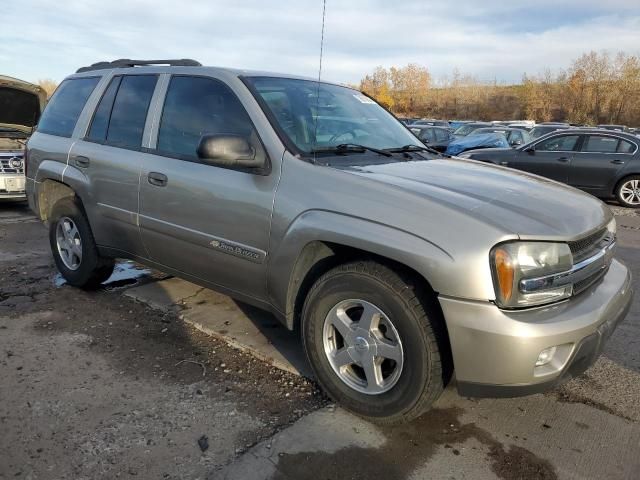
(413, 148)
(351, 147)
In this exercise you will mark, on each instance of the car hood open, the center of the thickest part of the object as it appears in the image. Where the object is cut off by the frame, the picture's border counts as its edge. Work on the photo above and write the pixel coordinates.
(21, 104)
(517, 202)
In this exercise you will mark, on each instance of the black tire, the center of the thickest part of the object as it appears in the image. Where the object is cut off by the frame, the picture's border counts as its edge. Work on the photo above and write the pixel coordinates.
(420, 328)
(619, 195)
(93, 269)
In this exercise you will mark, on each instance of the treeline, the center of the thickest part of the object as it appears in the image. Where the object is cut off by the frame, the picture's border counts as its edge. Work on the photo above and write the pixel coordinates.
(597, 88)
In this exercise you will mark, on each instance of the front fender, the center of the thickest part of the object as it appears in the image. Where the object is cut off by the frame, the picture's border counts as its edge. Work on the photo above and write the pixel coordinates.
(332, 227)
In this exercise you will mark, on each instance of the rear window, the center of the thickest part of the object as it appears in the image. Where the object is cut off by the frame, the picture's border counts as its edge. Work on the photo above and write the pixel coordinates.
(129, 112)
(62, 112)
(600, 144)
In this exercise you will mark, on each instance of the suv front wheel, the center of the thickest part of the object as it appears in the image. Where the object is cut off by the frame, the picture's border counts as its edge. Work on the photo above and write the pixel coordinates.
(372, 345)
(73, 247)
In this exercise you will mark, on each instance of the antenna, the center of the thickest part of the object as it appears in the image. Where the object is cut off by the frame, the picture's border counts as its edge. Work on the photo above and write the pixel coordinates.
(315, 123)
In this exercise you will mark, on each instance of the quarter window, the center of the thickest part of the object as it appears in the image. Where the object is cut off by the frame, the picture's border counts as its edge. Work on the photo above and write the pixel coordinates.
(563, 143)
(197, 106)
(62, 112)
(626, 147)
(129, 111)
(600, 144)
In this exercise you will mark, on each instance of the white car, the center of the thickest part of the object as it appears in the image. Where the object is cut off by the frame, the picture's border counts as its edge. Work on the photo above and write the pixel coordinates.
(21, 104)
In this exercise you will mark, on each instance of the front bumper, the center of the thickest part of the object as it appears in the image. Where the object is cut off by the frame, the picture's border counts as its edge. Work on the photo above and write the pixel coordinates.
(495, 351)
(12, 186)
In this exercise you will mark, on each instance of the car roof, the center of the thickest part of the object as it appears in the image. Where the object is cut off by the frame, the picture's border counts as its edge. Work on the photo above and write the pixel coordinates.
(424, 127)
(193, 70)
(594, 131)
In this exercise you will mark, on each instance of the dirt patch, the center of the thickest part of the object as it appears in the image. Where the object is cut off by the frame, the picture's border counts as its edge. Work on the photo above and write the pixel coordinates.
(409, 446)
(95, 385)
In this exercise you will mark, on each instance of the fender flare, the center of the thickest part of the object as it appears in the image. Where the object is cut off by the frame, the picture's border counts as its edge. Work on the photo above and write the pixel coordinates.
(333, 228)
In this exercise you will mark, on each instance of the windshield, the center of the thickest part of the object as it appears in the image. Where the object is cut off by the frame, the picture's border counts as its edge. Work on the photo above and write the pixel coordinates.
(337, 116)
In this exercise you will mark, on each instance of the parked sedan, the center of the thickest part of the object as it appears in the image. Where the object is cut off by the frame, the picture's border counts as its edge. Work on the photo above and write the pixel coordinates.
(617, 128)
(603, 163)
(514, 136)
(467, 128)
(542, 129)
(437, 138)
(430, 123)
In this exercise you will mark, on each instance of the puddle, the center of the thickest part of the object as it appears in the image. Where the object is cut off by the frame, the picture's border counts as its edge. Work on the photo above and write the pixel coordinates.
(125, 274)
(411, 445)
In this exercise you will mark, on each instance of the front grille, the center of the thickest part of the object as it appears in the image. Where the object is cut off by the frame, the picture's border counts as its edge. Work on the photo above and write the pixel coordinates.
(6, 167)
(587, 282)
(588, 246)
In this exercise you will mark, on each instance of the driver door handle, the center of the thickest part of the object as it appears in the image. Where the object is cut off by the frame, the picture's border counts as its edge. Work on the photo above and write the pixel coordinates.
(80, 161)
(563, 159)
(157, 179)
(617, 162)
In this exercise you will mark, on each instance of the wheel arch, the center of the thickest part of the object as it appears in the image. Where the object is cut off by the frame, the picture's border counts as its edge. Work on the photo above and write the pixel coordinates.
(318, 241)
(625, 176)
(49, 193)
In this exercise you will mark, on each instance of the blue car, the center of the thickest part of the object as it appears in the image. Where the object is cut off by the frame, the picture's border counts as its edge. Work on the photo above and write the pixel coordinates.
(487, 140)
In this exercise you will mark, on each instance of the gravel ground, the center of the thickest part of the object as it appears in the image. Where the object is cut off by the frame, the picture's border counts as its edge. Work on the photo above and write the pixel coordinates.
(95, 385)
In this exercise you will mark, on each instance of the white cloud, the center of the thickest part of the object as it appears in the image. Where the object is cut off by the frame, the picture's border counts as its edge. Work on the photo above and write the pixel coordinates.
(492, 39)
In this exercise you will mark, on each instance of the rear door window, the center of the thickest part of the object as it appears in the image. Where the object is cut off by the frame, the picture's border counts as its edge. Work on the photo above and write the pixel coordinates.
(100, 122)
(600, 144)
(64, 108)
(197, 106)
(563, 143)
(129, 112)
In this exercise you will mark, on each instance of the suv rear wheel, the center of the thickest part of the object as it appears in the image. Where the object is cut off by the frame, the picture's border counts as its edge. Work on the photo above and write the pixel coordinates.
(73, 247)
(372, 345)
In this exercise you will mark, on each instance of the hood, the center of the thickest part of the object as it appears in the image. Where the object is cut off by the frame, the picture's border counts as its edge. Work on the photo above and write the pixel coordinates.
(21, 104)
(477, 140)
(516, 202)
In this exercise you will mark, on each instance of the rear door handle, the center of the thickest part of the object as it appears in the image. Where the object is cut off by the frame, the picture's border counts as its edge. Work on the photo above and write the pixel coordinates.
(158, 179)
(563, 159)
(80, 161)
(617, 162)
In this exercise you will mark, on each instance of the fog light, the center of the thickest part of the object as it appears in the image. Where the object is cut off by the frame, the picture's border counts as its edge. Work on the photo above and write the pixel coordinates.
(545, 356)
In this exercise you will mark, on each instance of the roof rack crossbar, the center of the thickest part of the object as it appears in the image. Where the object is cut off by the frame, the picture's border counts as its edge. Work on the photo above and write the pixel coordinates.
(126, 62)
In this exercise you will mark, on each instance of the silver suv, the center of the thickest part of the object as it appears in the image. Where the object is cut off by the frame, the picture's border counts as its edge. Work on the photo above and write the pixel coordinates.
(397, 265)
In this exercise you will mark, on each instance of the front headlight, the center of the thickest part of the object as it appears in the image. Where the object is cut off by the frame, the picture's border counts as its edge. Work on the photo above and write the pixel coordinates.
(516, 261)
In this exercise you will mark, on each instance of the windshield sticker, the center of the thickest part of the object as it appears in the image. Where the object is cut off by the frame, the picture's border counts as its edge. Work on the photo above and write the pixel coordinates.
(363, 98)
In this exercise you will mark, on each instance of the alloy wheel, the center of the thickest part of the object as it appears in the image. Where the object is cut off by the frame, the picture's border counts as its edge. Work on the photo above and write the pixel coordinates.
(363, 346)
(69, 243)
(630, 192)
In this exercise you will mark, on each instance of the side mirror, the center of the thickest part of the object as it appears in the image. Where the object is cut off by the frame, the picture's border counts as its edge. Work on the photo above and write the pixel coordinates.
(516, 142)
(228, 150)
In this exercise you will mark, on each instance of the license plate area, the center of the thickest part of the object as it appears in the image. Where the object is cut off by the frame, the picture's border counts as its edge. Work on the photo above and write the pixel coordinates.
(14, 184)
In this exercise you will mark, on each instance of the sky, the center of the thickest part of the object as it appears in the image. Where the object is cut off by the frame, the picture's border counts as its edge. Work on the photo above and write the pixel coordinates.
(488, 39)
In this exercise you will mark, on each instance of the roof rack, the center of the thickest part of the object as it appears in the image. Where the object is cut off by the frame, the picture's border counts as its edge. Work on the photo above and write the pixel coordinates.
(126, 62)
